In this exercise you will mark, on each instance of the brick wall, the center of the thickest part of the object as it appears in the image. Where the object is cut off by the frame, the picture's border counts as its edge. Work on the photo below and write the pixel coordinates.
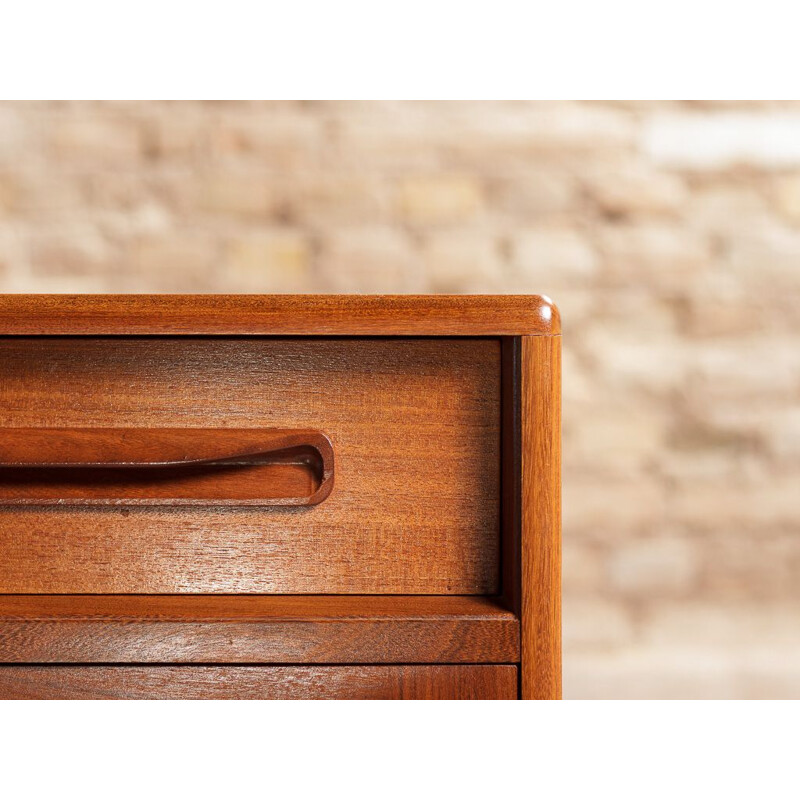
(669, 234)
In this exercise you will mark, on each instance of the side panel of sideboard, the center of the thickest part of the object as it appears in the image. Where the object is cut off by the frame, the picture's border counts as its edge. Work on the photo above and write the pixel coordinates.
(540, 562)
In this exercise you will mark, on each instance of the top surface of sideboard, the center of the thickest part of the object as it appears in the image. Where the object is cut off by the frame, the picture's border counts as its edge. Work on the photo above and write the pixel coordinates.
(278, 315)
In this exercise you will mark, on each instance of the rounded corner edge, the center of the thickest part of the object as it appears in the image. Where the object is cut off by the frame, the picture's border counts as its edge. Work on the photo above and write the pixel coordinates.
(548, 317)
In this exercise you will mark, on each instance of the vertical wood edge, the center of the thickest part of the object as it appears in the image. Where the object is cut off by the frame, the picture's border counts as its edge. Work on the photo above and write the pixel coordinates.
(510, 474)
(540, 411)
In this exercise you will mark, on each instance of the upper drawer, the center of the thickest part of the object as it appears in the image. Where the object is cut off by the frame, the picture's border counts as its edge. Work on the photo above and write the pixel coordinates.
(414, 428)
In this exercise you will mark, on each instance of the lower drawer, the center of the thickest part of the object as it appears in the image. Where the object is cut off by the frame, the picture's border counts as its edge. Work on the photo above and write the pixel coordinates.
(259, 683)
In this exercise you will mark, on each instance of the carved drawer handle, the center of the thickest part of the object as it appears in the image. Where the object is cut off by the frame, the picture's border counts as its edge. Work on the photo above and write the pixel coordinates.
(164, 466)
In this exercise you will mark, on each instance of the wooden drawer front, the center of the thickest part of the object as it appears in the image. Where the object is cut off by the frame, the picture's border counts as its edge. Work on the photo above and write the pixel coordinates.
(256, 629)
(260, 683)
(414, 425)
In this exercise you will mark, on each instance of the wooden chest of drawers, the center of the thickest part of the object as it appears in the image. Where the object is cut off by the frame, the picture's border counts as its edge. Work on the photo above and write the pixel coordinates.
(279, 497)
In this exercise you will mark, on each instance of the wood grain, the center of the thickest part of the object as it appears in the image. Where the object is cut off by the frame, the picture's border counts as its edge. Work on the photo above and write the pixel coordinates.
(541, 517)
(277, 315)
(447, 489)
(164, 466)
(414, 423)
(259, 683)
(255, 629)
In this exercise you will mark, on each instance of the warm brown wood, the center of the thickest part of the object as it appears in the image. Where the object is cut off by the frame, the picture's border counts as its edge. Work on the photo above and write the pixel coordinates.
(414, 423)
(431, 569)
(541, 517)
(255, 629)
(259, 683)
(277, 315)
(164, 466)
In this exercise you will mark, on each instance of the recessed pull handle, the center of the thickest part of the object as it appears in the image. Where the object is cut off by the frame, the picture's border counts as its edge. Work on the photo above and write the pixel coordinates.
(164, 466)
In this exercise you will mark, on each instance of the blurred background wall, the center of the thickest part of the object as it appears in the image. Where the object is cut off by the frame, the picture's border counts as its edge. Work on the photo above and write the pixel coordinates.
(668, 233)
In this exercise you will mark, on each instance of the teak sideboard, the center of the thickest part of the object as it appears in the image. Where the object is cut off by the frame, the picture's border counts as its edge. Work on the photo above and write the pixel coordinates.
(280, 497)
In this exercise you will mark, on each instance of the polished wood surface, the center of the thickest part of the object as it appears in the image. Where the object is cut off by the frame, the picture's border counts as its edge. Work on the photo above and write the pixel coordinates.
(540, 561)
(164, 466)
(256, 629)
(432, 569)
(415, 424)
(472, 682)
(278, 315)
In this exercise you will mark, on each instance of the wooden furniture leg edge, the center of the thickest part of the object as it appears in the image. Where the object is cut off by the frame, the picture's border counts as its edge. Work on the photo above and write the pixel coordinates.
(540, 522)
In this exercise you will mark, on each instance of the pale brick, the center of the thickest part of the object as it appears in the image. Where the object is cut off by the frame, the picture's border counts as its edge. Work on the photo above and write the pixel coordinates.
(459, 262)
(114, 189)
(727, 624)
(95, 139)
(732, 444)
(768, 673)
(80, 251)
(13, 258)
(766, 504)
(716, 140)
(93, 283)
(587, 126)
(372, 260)
(787, 196)
(705, 460)
(268, 261)
(577, 382)
(582, 568)
(438, 199)
(752, 565)
(637, 307)
(601, 508)
(627, 187)
(744, 369)
(10, 194)
(652, 673)
(16, 133)
(328, 199)
(551, 128)
(280, 137)
(782, 433)
(747, 428)
(144, 218)
(596, 623)
(163, 264)
(479, 136)
(654, 566)
(625, 359)
(551, 261)
(696, 651)
(391, 137)
(45, 196)
(246, 195)
(720, 208)
(174, 134)
(721, 305)
(765, 258)
(537, 193)
(625, 438)
(660, 255)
